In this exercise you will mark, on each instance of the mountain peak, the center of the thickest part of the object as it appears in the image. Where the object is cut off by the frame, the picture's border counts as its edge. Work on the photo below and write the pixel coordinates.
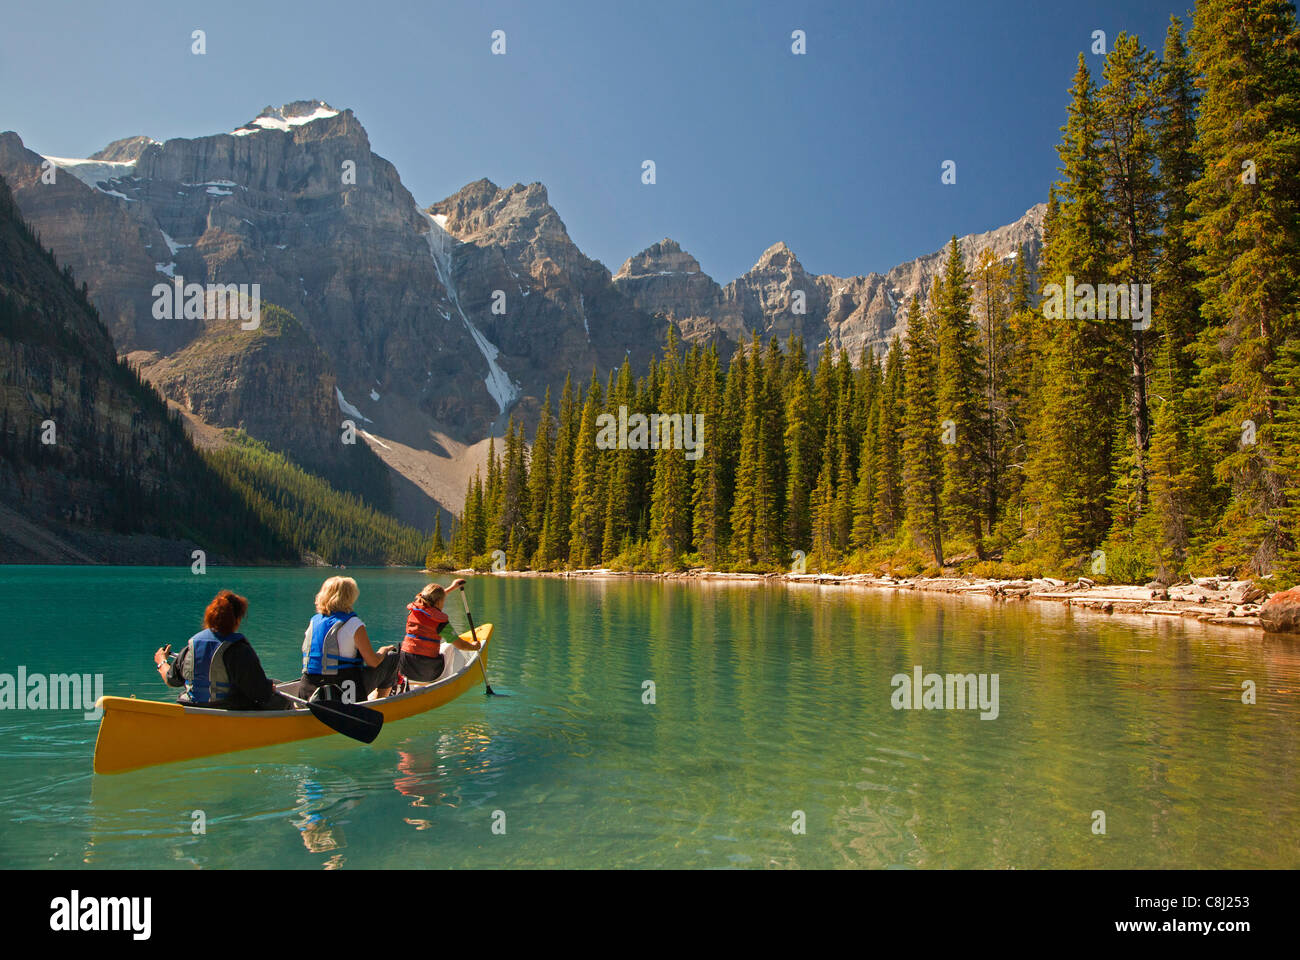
(294, 114)
(126, 150)
(481, 208)
(534, 194)
(664, 257)
(778, 256)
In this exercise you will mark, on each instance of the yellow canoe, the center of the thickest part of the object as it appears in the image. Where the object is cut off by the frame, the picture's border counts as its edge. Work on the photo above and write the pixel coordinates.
(144, 733)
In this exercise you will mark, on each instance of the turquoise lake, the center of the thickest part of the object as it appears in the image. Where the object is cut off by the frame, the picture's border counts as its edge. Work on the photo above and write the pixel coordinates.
(772, 707)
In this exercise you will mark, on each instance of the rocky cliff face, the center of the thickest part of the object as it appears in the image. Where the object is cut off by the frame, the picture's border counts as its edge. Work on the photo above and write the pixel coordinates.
(521, 280)
(666, 280)
(779, 297)
(258, 381)
(296, 202)
(433, 322)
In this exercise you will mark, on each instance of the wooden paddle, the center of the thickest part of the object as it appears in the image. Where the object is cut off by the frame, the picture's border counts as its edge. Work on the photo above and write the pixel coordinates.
(473, 633)
(350, 719)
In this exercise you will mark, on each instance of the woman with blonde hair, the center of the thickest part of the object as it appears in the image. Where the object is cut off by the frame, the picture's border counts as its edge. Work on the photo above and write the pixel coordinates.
(421, 659)
(336, 651)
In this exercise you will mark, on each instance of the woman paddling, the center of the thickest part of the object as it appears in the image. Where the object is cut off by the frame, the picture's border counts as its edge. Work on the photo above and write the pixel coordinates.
(336, 649)
(218, 667)
(420, 659)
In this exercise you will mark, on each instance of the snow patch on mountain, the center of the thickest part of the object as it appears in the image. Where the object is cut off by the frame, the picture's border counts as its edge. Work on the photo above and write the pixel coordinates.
(94, 172)
(348, 408)
(290, 115)
(503, 390)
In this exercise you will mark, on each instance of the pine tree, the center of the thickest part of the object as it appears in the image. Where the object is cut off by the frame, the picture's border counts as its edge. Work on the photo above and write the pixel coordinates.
(889, 510)
(437, 548)
(554, 546)
(472, 532)
(863, 532)
(670, 505)
(990, 294)
(1126, 108)
(540, 479)
(965, 470)
(1072, 443)
(1246, 210)
(754, 523)
(844, 479)
(708, 507)
(1181, 488)
(587, 524)
(512, 530)
(1285, 434)
(822, 507)
(801, 461)
(1021, 374)
(922, 456)
(492, 494)
(773, 441)
(618, 494)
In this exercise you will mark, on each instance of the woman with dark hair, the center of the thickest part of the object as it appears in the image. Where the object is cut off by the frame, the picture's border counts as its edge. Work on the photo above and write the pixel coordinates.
(218, 667)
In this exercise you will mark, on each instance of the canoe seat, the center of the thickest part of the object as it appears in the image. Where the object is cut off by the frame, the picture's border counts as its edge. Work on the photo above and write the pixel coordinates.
(449, 666)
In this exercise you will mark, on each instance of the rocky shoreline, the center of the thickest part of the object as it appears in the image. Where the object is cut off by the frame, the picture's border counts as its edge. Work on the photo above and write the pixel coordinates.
(1218, 601)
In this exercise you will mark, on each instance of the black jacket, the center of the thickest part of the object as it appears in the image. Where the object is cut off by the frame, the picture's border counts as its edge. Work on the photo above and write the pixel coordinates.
(250, 688)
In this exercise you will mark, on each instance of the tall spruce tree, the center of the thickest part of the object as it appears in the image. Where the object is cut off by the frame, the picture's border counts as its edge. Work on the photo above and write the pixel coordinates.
(889, 508)
(587, 526)
(1127, 107)
(1080, 405)
(1181, 487)
(801, 460)
(541, 466)
(922, 454)
(555, 536)
(708, 507)
(991, 294)
(670, 501)
(961, 413)
(1247, 244)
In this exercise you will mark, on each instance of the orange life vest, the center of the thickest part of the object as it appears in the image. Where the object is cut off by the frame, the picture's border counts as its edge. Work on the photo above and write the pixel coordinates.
(422, 626)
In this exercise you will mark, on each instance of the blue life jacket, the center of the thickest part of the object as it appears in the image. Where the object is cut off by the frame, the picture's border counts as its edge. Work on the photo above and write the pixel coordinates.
(320, 648)
(207, 679)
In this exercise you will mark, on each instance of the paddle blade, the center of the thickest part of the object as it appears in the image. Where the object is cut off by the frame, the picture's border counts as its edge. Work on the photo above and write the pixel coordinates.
(350, 719)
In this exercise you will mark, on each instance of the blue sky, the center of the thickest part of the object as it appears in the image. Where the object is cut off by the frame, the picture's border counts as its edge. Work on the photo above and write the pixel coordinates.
(836, 152)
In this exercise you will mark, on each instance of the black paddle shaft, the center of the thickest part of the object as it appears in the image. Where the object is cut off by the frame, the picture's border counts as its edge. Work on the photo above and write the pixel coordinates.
(487, 687)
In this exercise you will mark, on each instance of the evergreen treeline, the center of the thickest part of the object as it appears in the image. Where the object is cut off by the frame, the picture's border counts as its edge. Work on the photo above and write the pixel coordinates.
(307, 512)
(1000, 434)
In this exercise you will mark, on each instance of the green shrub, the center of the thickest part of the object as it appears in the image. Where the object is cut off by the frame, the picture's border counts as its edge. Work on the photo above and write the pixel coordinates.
(1127, 562)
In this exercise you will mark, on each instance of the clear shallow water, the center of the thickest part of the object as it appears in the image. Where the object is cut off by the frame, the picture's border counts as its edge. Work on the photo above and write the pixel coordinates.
(770, 699)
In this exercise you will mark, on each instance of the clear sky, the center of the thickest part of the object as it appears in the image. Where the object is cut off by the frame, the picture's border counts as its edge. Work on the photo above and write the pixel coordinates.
(838, 152)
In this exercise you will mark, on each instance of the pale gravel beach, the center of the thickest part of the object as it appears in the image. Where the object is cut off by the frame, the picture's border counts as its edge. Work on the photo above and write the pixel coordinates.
(1210, 600)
